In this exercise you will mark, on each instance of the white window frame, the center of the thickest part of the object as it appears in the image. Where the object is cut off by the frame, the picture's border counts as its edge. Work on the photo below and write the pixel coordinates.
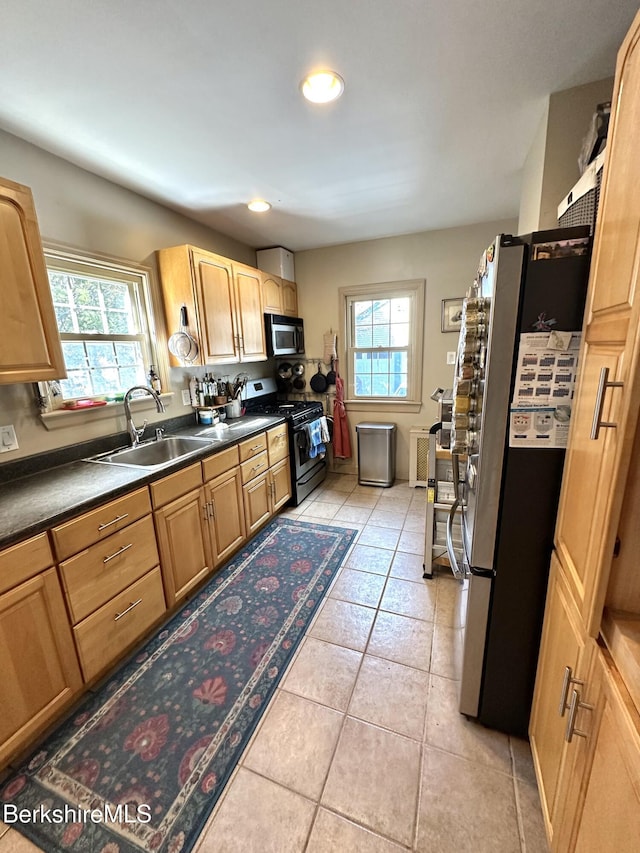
(63, 260)
(415, 290)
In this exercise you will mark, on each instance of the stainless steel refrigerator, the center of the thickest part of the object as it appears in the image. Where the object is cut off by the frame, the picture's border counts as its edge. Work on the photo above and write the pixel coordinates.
(513, 387)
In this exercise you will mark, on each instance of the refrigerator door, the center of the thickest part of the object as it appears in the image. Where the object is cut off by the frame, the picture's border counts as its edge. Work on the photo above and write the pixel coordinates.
(484, 468)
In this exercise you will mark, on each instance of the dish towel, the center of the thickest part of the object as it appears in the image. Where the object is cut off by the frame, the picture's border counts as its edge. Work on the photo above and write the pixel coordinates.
(314, 438)
(324, 430)
(330, 342)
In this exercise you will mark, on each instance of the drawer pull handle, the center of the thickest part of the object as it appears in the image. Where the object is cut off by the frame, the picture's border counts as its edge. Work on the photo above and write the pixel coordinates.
(566, 681)
(258, 467)
(598, 423)
(124, 612)
(571, 729)
(118, 552)
(256, 447)
(115, 521)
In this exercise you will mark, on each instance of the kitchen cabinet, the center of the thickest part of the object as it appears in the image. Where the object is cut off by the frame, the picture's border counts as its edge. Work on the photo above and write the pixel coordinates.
(279, 296)
(181, 519)
(40, 672)
(266, 476)
(224, 502)
(108, 563)
(596, 539)
(224, 304)
(30, 349)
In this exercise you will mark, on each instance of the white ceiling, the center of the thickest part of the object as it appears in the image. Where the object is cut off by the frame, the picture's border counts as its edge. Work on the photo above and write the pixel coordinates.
(195, 103)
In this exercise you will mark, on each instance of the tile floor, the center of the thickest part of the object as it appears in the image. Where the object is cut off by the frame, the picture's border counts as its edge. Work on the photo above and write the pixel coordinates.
(362, 749)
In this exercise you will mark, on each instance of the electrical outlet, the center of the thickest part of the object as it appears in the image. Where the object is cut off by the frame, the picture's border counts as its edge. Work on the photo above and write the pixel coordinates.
(186, 398)
(8, 440)
(451, 358)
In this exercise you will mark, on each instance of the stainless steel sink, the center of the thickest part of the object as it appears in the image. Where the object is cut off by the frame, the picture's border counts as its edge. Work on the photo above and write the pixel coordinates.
(154, 454)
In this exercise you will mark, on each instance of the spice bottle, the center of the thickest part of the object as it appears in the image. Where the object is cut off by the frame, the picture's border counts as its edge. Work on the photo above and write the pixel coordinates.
(154, 380)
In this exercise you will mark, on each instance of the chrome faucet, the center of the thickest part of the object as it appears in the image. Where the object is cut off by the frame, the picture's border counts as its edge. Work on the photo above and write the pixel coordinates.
(135, 433)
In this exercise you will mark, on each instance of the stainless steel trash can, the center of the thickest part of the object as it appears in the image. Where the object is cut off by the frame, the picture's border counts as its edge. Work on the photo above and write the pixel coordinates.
(376, 454)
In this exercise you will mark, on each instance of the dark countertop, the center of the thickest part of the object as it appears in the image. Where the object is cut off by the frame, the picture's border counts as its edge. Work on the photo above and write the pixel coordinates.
(36, 502)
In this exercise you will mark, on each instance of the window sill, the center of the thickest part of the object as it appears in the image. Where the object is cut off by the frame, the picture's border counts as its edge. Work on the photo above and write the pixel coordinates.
(411, 406)
(62, 418)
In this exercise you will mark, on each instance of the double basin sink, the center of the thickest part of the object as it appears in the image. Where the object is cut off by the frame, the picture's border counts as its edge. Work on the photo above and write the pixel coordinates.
(164, 451)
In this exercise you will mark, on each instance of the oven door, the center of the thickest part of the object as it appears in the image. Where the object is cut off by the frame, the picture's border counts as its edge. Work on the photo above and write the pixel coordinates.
(307, 472)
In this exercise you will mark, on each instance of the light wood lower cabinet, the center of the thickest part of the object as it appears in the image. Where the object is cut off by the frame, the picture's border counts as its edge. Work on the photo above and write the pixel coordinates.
(266, 494)
(185, 550)
(564, 658)
(105, 635)
(223, 497)
(40, 672)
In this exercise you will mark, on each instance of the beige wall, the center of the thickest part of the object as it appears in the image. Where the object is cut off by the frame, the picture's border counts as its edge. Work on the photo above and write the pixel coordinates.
(447, 260)
(78, 208)
(551, 168)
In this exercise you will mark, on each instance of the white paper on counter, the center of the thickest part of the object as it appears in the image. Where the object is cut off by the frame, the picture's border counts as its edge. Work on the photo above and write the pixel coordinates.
(543, 390)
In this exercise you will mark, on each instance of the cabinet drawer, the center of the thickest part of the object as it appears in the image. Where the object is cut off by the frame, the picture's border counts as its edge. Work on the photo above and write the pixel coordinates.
(176, 485)
(102, 637)
(220, 463)
(252, 446)
(23, 561)
(97, 574)
(96, 525)
(252, 467)
(277, 444)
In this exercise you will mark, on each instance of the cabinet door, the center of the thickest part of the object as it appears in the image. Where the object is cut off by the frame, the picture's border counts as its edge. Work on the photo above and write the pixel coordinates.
(40, 672)
(278, 443)
(609, 821)
(272, 293)
(289, 298)
(30, 348)
(249, 313)
(595, 470)
(183, 541)
(216, 308)
(224, 495)
(563, 645)
(257, 503)
(280, 484)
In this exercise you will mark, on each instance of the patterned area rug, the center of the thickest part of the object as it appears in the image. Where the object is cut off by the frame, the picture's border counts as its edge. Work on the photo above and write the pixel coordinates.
(140, 766)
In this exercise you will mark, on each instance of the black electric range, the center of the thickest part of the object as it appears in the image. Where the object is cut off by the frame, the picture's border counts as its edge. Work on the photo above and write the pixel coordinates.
(307, 472)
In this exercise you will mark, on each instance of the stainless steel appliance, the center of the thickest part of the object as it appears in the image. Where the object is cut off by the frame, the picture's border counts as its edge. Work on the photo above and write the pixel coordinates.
(307, 472)
(513, 386)
(285, 335)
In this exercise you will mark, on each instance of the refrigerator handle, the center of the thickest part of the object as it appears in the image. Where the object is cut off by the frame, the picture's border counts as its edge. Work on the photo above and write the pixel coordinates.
(455, 467)
(457, 572)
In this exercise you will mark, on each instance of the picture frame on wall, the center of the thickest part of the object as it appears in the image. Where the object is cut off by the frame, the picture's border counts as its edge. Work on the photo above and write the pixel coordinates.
(451, 315)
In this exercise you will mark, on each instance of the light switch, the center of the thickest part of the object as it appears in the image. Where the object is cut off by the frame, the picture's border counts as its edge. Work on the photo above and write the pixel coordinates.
(8, 440)
(451, 358)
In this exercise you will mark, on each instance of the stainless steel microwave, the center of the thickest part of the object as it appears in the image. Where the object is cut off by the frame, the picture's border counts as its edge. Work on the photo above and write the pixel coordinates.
(285, 335)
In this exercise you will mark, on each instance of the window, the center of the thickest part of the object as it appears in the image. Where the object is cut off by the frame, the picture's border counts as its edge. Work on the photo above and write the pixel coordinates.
(384, 341)
(101, 308)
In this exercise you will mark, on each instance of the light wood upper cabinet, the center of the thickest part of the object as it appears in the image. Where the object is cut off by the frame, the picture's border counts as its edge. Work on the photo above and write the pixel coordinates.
(289, 298)
(595, 470)
(279, 296)
(30, 349)
(224, 304)
(590, 782)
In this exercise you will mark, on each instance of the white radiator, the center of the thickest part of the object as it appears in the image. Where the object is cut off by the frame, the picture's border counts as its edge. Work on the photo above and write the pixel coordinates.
(418, 456)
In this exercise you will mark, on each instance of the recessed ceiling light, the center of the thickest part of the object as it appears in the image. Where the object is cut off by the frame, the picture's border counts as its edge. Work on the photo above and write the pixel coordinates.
(322, 87)
(259, 205)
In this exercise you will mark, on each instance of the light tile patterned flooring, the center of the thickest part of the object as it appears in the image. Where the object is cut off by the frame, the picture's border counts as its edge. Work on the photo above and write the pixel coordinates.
(362, 749)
